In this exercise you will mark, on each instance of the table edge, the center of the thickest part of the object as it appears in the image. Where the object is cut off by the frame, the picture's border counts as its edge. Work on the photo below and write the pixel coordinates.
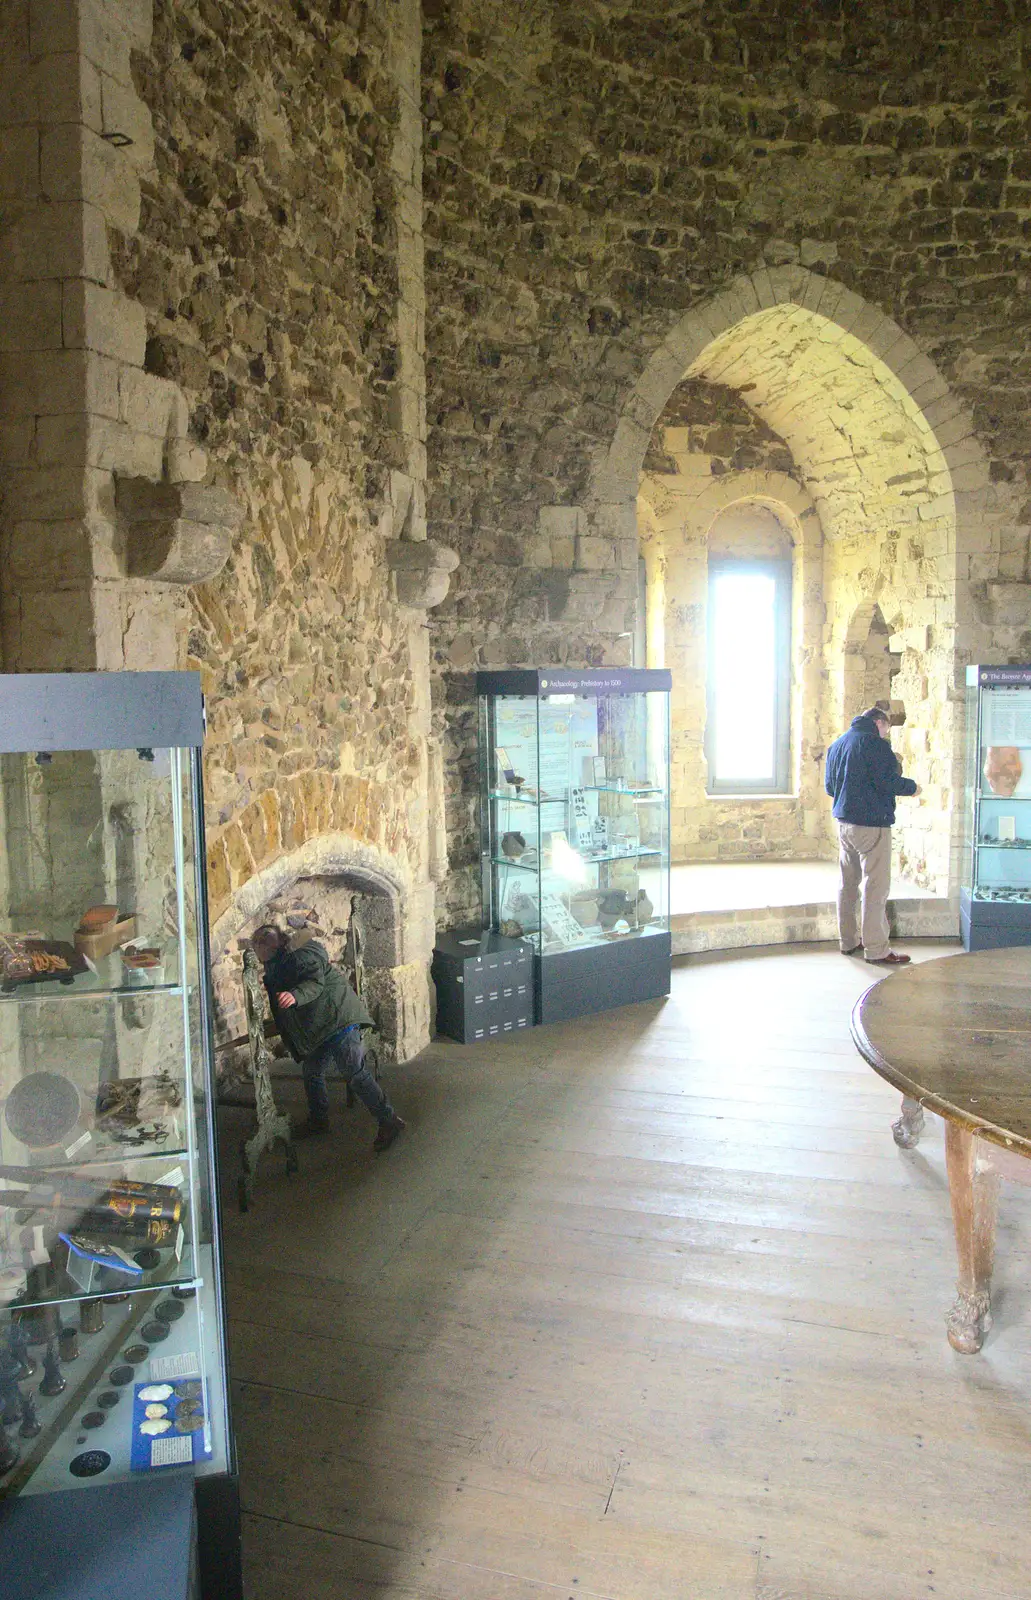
(916, 1091)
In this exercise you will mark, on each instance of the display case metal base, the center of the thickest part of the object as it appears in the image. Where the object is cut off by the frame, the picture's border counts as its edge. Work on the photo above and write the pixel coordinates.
(600, 977)
(993, 924)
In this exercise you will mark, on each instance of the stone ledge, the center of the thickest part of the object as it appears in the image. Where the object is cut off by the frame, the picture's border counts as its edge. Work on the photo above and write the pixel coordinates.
(176, 532)
(695, 932)
(422, 571)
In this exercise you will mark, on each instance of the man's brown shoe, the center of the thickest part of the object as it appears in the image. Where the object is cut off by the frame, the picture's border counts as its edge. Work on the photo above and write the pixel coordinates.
(388, 1132)
(894, 958)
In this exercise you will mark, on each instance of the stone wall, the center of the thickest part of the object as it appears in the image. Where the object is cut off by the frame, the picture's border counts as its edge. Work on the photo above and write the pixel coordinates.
(278, 262)
(213, 392)
(596, 173)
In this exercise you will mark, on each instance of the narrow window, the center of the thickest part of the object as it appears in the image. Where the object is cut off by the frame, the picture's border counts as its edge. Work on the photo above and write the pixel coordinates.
(748, 733)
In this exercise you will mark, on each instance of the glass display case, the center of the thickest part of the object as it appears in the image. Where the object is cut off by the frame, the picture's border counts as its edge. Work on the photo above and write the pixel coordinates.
(574, 787)
(112, 1357)
(995, 905)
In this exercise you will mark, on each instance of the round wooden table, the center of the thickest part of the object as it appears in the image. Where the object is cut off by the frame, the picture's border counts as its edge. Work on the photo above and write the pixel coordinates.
(954, 1035)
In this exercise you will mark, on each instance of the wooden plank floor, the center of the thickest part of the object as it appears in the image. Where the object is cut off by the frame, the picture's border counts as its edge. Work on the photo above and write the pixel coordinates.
(645, 1307)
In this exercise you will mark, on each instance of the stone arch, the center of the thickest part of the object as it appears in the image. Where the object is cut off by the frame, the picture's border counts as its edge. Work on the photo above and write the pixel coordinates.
(868, 419)
(612, 487)
(392, 915)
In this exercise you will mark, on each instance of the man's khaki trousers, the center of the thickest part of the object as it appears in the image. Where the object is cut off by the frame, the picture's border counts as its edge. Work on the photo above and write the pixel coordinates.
(865, 862)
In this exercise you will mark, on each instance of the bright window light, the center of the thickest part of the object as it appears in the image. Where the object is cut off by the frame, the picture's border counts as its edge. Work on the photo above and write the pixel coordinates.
(744, 669)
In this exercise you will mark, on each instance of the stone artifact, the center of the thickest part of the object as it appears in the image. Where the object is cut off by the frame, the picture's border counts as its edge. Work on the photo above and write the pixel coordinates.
(12, 1399)
(30, 1423)
(23, 1365)
(512, 845)
(89, 1464)
(612, 906)
(68, 1344)
(510, 928)
(1002, 769)
(54, 1380)
(645, 908)
(585, 909)
(42, 1109)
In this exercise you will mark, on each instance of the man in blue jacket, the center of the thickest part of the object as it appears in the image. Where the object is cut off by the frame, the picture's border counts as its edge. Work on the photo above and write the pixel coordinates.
(863, 779)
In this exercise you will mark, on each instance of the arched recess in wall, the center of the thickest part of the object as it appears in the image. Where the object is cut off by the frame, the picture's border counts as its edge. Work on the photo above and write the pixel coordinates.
(899, 482)
(870, 665)
(685, 519)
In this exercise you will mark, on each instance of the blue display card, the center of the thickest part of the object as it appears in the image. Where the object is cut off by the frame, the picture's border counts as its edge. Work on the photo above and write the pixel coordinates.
(170, 1424)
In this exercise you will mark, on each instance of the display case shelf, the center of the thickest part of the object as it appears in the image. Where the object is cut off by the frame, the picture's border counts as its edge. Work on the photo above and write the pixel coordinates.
(80, 990)
(597, 744)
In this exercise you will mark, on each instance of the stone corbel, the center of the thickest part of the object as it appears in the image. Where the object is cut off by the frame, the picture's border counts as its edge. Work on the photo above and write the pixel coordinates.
(176, 532)
(422, 571)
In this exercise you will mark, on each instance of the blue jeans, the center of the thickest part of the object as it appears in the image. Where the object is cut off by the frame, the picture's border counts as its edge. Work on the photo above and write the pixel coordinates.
(342, 1052)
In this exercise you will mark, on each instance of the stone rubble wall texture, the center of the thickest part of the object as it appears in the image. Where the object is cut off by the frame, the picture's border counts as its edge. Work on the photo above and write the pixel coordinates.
(213, 269)
(278, 265)
(596, 174)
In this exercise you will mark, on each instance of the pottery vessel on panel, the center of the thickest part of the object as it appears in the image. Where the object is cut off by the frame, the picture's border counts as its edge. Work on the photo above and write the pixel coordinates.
(1002, 769)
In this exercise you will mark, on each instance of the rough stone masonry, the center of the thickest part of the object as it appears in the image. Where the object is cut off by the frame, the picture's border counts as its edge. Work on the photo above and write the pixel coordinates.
(301, 297)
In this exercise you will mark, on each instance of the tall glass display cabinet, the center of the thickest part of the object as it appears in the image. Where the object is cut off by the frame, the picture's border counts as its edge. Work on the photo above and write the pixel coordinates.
(574, 806)
(995, 906)
(113, 1371)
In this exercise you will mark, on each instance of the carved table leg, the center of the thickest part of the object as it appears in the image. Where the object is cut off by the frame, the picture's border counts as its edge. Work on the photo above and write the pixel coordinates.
(910, 1125)
(974, 1191)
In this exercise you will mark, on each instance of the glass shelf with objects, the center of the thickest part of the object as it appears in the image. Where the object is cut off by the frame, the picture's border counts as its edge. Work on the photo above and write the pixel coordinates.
(574, 813)
(995, 901)
(112, 1348)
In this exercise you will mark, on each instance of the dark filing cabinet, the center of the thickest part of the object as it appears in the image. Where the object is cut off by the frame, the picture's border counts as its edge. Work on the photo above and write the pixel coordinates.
(484, 984)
